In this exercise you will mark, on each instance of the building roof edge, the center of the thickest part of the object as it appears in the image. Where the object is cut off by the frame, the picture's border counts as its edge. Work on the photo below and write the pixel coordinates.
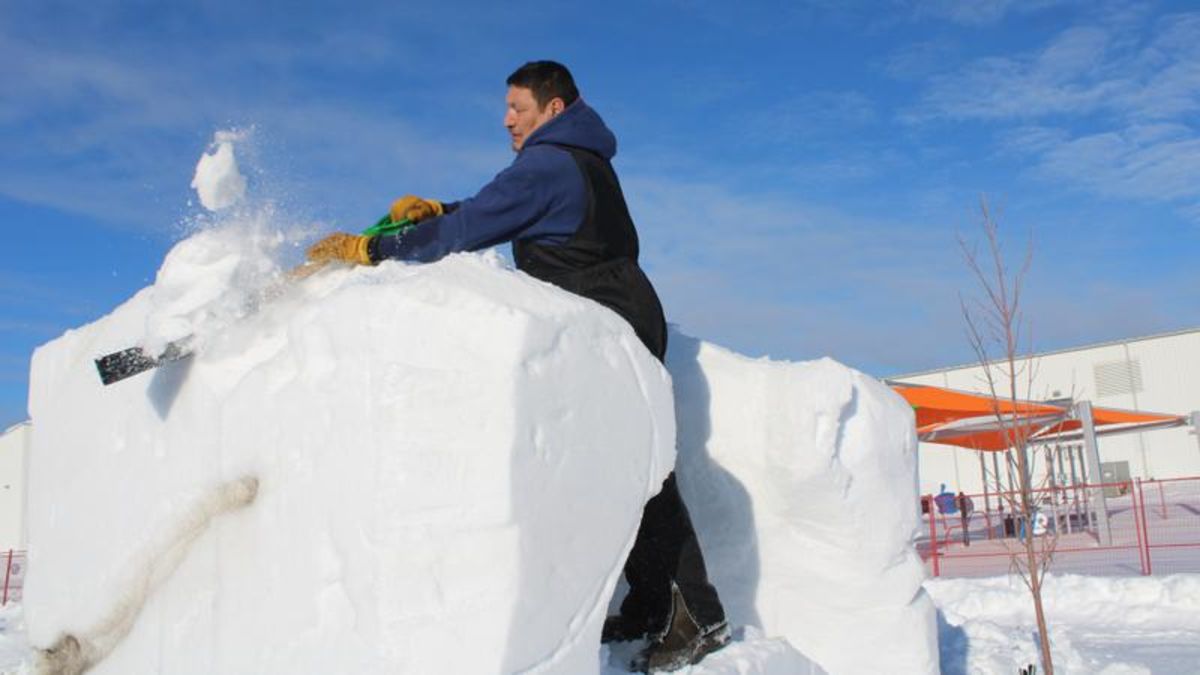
(1065, 350)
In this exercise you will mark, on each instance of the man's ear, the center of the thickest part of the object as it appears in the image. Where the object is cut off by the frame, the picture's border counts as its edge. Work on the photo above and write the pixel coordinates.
(557, 106)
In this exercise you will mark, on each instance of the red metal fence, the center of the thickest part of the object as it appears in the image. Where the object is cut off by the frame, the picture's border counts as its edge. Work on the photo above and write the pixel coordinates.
(1134, 527)
(12, 574)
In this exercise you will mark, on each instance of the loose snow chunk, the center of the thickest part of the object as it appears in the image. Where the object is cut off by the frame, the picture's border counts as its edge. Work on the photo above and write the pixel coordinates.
(801, 480)
(218, 181)
(209, 280)
(451, 463)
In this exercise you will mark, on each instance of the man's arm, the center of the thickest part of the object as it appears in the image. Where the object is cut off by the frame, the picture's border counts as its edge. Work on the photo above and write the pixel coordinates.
(517, 198)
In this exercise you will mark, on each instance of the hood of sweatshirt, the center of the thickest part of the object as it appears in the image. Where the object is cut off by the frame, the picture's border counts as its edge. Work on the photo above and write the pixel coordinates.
(578, 126)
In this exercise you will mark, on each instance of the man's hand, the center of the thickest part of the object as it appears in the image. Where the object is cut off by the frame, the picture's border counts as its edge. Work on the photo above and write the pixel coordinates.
(340, 247)
(411, 207)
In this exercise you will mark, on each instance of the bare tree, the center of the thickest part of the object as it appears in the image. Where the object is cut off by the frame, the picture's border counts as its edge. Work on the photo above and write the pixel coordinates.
(996, 328)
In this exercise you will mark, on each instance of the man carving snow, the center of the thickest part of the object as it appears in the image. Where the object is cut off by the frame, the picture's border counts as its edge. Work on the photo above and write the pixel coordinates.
(561, 206)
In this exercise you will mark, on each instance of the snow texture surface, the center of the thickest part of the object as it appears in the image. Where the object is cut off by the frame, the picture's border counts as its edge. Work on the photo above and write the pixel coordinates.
(801, 479)
(210, 280)
(441, 486)
(1127, 626)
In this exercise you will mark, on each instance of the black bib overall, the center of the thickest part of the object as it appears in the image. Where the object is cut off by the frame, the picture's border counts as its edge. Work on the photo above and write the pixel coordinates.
(600, 260)
(600, 263)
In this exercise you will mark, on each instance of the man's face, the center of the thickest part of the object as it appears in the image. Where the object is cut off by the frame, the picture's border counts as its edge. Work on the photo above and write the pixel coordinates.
(523, 116)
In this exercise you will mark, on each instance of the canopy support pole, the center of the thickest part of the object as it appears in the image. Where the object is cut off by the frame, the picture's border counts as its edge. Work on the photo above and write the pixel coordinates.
(1083, 410)
(1195, 417)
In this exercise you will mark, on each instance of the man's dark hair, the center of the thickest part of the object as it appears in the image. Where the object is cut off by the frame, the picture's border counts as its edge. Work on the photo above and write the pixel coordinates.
(547, 80)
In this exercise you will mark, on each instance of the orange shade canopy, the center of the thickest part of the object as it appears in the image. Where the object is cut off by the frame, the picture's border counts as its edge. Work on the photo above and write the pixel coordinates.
(981, 422)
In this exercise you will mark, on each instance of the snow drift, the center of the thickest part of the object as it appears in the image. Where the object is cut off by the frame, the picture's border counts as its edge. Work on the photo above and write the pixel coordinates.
(1103, 625)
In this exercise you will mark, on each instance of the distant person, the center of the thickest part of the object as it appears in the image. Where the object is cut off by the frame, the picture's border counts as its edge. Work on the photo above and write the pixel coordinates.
(945, 501)
(1010, 527)
(561, 206)
(965, 507)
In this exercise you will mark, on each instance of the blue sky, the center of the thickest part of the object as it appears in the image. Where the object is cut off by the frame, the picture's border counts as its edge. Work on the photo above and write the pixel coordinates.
(799, 171)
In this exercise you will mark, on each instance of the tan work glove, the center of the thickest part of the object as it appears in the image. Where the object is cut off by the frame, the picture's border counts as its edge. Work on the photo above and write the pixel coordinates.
(340, 247)
(411, 207)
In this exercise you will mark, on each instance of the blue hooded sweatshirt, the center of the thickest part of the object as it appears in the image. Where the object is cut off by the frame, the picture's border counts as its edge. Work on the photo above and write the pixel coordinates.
(541, 197)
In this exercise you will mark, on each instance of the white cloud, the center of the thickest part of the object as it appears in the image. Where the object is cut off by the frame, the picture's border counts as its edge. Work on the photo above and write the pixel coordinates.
(1033, 138)
(1061, 78)
(1108, 109)
(768, 273)
(1083, 70)
(1134, 163)
(979, 12)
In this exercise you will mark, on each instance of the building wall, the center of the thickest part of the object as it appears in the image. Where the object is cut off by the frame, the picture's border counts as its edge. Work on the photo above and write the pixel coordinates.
(1154, 374)
(12, 486)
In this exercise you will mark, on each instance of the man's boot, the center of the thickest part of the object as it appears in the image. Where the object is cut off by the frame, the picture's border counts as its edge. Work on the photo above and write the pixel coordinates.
(682, 643)
(621, 628)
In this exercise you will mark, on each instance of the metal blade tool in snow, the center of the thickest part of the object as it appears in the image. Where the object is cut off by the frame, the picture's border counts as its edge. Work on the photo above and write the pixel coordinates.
(126, 363)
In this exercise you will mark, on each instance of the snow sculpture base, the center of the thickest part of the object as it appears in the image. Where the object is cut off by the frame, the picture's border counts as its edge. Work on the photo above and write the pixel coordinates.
(451, 463)
(801, 480)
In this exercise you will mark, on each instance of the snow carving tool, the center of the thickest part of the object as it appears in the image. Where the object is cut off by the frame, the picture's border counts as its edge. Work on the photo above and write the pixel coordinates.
(126, 363)
(75, 653)
(129, 362)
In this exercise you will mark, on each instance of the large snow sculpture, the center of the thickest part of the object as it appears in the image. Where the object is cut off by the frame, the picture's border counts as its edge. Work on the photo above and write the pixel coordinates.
(440, 468)
(450, 463)
(801, 479)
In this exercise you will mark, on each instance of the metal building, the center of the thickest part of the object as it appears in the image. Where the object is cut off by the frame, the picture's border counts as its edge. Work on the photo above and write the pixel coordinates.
(1156, 373)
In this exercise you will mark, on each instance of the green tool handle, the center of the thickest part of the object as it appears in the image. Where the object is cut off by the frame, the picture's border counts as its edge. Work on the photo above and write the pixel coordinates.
(387, 226)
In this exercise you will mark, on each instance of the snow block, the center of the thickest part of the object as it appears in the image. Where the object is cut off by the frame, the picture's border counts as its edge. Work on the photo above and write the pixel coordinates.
(400, 469)
(801, 480)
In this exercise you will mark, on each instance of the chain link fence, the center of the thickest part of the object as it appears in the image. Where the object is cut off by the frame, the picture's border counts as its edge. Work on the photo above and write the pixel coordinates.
(1122, 528)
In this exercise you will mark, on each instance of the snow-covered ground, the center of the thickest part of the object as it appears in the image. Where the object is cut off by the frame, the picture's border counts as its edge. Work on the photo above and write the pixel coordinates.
(1113, 626)
(749, 653)
(1097, 624)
